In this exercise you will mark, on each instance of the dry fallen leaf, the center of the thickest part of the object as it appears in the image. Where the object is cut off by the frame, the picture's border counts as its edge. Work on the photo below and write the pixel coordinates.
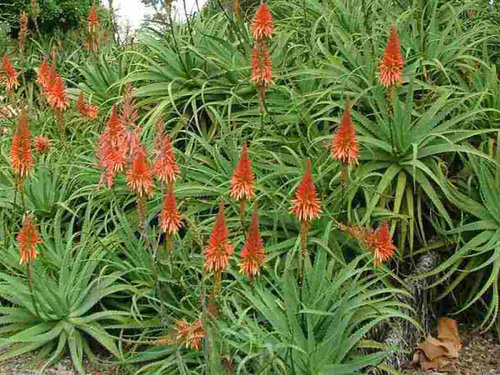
(436, 354)
(448, 331)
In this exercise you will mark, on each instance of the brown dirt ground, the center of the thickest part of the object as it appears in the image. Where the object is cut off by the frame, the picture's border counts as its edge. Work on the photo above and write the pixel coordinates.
(480, 355)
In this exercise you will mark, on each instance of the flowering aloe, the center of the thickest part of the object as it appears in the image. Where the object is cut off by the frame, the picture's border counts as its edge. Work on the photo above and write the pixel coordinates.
(379, 242)
(165, 167)
(262, 24)
(11, 81)
(219, 249)
(170, 218)
(112, 149)
(88, 111)
(44, 73)
(28, 239)
(344, 145)
(190, 334)
(385, 247)
(391, 64)
(42, 144)
(305, 206)
(140, 181)
(253, 254)
(21, 158)
(242, 183)
(23, 31)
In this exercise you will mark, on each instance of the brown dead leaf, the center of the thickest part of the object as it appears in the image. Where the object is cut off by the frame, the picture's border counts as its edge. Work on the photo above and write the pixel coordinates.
(448, 331)
(438, 363)
(433, 348)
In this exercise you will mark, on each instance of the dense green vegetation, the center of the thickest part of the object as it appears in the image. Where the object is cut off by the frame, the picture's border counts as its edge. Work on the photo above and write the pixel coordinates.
(108, 284)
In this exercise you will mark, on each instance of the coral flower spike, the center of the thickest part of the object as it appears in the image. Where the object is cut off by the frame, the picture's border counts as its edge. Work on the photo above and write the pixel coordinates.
(306, 204)
(139, 176)
(42, 144)
(93, 17)
(21, 158)
(262, 24)
(385, 248)
(57, 95)
(345, 145)
(165, 167)
(10, 73)
(242, 184)
(28, 239)
(44, 73)
(170, 218)
(219, 249)
(391, 64)
(252, 255)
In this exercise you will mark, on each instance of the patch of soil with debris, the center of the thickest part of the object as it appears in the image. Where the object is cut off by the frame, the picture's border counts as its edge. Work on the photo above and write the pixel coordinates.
(29, 364)
(480, 355)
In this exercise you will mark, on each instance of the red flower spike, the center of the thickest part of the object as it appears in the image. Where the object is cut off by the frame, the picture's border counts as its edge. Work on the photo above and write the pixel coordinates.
(219, 249)
(10, 74)
(80, 104)
(165, 167)
(190, 334)
(57, 95)
(391, 65)
(21, 158)
(252, 255)
(28, 239)
(139, 176)
(23, 30)
(242, 184)
(44, 73)
(306, 204)
(42, 144)
(93, 18)
(88, 111)
(262, 24)
(170, 218)
(91, 112)
(385, 248)
(345, 145)
(262, 67)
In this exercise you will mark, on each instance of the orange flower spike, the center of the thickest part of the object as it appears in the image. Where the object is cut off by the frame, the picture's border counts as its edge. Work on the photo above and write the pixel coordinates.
(23, 30)
(262, 24)
(170, 218)
(114, 127)
(93, 18)
(44, 73)
(80, 104)
(190, 334)
(165, 167)
(10, 74)
(91, 112)
(262, 67)
(57, 95)
(42, 144)
(391, 64)
(28, 239)
(306, 205)
(219, 249)
(344, 145)
(21, 158)
(139, 176)
(242, 184)
(385, 248)
(253, 254)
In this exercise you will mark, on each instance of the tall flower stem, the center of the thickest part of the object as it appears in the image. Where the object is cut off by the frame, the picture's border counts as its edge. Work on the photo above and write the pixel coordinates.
(304, 227)
(32, 291)
(242, 216)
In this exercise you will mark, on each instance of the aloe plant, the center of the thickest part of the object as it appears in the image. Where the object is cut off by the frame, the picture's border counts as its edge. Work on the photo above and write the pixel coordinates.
(70, 280)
